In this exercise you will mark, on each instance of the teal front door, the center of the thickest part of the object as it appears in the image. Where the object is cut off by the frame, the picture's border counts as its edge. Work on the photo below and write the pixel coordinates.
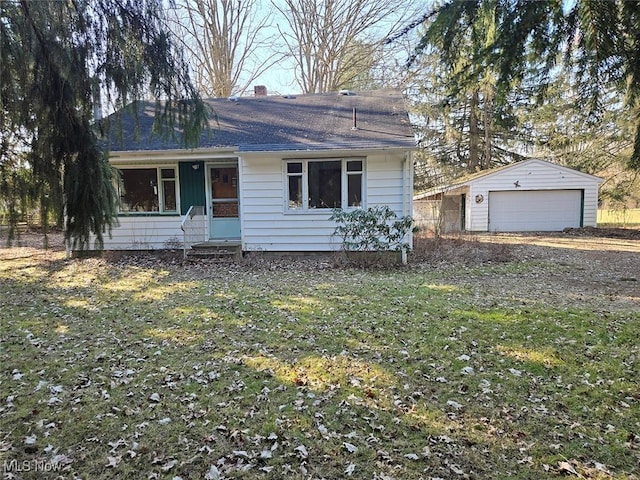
(224, 220)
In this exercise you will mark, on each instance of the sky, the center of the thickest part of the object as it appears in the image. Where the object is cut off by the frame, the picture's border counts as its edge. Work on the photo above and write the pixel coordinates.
(280, 78)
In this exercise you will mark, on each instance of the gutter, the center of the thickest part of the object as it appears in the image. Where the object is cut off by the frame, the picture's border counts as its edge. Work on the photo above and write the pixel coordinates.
(209, 153)
(406, 197)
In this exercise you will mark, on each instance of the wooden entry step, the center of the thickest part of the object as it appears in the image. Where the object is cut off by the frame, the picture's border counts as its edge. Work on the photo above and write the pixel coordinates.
(216, 249)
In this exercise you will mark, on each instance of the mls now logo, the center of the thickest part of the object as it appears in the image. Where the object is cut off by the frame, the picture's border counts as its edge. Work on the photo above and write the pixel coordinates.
(14, 466)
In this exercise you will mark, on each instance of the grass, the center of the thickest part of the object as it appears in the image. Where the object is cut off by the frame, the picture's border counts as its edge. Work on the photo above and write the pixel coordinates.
(627, 217)
(145, 369)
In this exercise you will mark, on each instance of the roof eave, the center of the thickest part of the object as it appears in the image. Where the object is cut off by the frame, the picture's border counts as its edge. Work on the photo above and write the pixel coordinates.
(437, 190)
(171, 154)
(297, 152)
(126, 156)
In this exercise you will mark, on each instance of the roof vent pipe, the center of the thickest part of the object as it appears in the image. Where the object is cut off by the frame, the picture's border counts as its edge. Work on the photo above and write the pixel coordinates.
(355, 120)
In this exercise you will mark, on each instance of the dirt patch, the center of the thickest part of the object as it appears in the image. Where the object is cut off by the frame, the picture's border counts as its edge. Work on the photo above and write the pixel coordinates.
(627, 233)
(460, 249)
(32, 238)
(600, 271)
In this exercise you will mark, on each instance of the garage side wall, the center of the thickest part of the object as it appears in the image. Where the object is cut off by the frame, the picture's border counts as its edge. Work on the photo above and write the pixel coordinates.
(529, 176)
(590, 210)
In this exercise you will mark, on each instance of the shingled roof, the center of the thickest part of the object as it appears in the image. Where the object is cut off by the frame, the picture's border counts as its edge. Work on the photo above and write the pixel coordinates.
(283, 123)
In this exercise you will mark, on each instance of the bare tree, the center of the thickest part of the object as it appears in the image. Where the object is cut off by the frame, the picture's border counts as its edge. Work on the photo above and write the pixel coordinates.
(334, 42)
(227, 43)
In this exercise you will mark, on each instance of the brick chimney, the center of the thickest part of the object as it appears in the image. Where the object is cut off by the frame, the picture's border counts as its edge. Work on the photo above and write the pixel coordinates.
(260, 91)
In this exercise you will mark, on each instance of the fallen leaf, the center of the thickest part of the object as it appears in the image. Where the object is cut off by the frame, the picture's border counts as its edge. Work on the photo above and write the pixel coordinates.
(302, 450)
(567, 467)
(351, 448)
(266, 454)
(212, 474)
(169, 465)
(61, 460)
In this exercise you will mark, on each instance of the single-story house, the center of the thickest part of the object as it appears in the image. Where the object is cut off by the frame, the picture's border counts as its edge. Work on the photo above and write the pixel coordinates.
(530, 195)
(266, 175)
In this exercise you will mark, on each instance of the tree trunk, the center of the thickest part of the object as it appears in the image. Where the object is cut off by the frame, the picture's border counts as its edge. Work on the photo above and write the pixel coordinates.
(474, 134)
(488, 127)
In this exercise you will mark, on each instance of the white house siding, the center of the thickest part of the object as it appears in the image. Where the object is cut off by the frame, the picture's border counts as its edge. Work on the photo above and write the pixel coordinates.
(145, 233)
(530, 175)
(267, 227)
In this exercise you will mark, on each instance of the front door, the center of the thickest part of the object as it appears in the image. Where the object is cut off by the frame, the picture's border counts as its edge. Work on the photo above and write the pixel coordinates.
(224, 222)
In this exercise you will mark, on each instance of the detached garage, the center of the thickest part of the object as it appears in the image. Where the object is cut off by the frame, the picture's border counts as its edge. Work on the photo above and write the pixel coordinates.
(532, 195)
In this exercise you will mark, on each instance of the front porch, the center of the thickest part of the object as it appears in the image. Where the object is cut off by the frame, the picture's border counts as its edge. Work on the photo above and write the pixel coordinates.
(197, 242)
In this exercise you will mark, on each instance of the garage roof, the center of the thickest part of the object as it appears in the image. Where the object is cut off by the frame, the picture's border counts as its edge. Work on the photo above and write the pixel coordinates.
(474, 177)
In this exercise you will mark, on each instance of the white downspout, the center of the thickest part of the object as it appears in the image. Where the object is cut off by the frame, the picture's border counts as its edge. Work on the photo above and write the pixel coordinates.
(406, 192)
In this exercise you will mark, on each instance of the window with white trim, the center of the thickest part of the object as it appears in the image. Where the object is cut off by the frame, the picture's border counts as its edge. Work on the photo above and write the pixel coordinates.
(294, 185)
(148, 190)
(354, 183)
(324, 183)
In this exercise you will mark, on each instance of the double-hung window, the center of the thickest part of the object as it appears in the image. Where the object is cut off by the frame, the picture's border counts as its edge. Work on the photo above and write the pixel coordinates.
(148, 190)
(326, 183)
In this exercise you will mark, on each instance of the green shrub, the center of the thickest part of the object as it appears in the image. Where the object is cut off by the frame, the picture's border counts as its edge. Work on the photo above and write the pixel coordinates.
(376, 229)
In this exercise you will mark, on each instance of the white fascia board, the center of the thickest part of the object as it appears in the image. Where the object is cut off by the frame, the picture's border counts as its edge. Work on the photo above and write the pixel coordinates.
(150, 156)
(155, 156)
(443, 189)
(329, 152)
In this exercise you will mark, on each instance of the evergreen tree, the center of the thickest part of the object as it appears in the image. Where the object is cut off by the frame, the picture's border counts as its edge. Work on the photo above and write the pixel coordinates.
(58, 60)
(563, 132)
(599, 40)
(463, 129)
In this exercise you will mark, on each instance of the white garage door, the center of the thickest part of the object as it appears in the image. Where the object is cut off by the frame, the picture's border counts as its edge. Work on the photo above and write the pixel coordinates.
(534, 210)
